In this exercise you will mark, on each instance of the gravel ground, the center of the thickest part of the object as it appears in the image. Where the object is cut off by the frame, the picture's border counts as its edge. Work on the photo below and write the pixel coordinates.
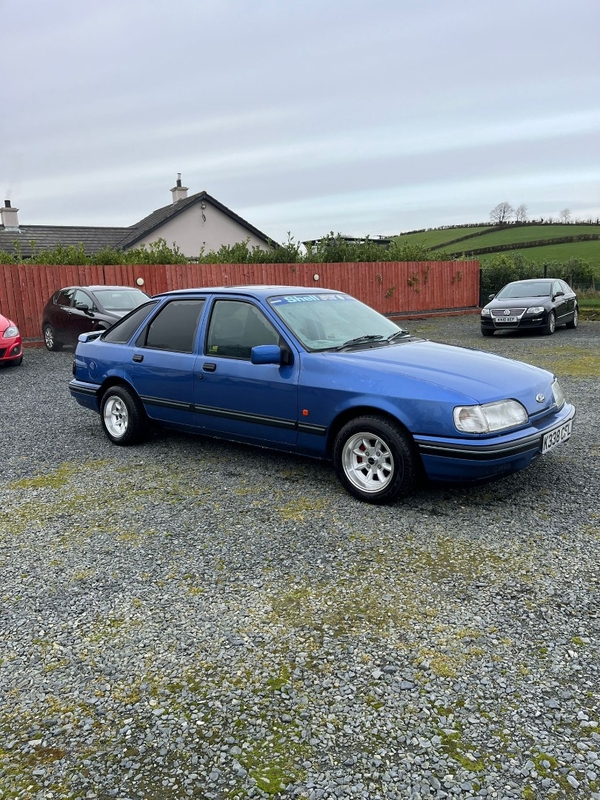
(190, 618)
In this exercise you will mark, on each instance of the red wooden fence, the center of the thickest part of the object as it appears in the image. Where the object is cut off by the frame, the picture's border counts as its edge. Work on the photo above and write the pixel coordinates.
(393, 288)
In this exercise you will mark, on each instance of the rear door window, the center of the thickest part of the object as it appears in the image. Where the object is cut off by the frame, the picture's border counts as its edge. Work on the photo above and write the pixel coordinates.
(174, 327)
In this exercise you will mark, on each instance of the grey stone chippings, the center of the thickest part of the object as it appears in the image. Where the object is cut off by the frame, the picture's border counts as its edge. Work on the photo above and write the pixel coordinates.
(191, 618)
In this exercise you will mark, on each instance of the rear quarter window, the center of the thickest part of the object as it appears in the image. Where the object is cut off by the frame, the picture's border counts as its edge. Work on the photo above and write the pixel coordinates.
(122, 331)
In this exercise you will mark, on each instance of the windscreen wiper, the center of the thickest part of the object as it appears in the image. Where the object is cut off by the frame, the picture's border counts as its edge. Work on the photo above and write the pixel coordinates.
(399, 334)
(370, 337)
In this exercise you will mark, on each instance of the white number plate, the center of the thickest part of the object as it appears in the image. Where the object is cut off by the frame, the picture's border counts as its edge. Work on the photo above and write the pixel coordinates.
(558, 435)
(506, 319)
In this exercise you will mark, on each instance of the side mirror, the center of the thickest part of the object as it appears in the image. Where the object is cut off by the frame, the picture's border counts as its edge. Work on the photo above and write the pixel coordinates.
(83, 307)
(559, 294)
(266, 354)
(491, 297)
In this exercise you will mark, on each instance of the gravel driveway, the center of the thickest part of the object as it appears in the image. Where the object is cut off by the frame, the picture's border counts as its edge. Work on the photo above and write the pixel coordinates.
(195, 619)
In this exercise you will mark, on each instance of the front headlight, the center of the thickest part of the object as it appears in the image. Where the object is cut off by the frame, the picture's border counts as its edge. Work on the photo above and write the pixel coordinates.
(489, 417)
(11, 332)
(559, 397)
(535, 310)
(485, 312)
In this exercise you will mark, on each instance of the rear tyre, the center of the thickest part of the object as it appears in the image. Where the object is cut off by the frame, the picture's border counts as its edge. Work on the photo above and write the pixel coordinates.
(550, 326)
(123, 417)
(50, 338)
(374, 460)
(487, 332)
(575, 321)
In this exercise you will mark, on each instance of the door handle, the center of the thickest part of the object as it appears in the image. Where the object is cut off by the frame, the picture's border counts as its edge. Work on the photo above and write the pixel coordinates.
(138, 357)
(209, 367)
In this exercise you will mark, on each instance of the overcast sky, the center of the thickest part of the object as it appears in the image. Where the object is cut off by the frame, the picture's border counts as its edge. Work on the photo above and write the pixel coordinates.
(302, 116)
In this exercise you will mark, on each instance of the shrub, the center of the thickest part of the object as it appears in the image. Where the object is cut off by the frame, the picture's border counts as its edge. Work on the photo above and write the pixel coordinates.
(506, 267)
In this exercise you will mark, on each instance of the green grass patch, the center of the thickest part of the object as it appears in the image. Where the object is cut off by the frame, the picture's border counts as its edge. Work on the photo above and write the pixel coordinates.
(588, 251)
(564, 360)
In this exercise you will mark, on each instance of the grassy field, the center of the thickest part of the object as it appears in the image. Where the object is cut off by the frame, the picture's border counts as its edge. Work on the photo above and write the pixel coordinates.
(513, 234)
(588, 251)
(438, 236)
(589, 304)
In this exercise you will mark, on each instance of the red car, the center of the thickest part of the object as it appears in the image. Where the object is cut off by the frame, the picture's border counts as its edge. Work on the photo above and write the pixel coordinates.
(11, 347)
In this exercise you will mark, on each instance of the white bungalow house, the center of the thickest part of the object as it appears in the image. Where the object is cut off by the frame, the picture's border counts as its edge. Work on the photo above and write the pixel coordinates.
(195, 223)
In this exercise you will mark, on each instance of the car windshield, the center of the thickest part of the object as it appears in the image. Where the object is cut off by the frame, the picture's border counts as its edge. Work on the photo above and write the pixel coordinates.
(536, 289)
(328, 321)
(120, 299)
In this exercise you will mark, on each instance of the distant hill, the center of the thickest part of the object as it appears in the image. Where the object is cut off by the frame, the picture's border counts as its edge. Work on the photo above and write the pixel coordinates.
(536, 241)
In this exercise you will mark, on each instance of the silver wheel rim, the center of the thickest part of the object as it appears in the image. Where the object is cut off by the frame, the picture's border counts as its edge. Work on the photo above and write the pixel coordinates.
(49, 337)
(367, 462)
(551, 323)
(575, 318)
(116, 417)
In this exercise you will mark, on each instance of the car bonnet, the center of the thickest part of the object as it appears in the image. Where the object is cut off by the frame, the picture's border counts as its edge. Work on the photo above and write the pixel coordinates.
(469, 375)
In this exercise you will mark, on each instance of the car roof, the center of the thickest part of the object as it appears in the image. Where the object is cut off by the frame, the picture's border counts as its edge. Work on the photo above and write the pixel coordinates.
(256, 290)
(96, 287)
(535, 280)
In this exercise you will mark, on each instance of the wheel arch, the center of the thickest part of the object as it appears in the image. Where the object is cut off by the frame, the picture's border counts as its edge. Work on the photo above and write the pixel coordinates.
(369, 411)
(116, 380)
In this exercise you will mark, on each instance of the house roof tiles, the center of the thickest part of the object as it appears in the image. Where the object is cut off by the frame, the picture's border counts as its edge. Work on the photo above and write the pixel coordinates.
(27, 239)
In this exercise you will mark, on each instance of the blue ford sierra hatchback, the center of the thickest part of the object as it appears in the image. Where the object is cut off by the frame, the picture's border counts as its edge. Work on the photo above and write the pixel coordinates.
(321, 374)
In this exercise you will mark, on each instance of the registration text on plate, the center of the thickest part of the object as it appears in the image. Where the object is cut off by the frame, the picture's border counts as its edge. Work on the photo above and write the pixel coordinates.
(507, 319)
(556, 436)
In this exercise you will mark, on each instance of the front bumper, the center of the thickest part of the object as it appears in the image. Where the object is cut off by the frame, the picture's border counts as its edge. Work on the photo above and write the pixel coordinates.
(524, 323)
(480, 459)
(10, 350)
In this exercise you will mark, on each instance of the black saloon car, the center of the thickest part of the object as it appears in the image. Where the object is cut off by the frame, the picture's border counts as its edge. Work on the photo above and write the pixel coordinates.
(81, 309)
(537, 304)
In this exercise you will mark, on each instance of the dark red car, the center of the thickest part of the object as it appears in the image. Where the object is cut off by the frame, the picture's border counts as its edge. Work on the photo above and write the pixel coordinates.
(11, 346)
(81, 309)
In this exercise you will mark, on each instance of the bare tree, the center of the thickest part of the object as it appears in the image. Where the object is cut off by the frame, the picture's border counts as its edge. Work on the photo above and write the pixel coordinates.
(501, 213)
(521, 214)
(565, 215)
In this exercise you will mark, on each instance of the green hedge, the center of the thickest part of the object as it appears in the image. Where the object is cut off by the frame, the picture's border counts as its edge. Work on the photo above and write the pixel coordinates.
(505, 268)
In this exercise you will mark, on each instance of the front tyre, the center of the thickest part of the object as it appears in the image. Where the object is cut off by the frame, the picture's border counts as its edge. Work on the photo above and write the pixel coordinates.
(487, 332)
(123, 417)
(550, 326)
(373, 460)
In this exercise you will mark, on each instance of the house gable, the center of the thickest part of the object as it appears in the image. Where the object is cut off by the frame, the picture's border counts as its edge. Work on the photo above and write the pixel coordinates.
(197, 223)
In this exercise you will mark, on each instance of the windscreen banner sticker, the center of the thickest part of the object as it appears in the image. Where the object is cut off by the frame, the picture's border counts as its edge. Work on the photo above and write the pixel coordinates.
(308, 298)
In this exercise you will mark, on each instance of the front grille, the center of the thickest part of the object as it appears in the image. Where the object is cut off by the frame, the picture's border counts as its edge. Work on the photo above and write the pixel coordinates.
(514, 312)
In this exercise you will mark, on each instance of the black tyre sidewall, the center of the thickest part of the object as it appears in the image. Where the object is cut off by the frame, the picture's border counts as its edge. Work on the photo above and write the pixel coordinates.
(137, 421)
(405, 460)
(548, 330)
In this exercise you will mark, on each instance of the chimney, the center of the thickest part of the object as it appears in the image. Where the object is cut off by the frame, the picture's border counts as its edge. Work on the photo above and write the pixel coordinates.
(10, 216)
(179, 192)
